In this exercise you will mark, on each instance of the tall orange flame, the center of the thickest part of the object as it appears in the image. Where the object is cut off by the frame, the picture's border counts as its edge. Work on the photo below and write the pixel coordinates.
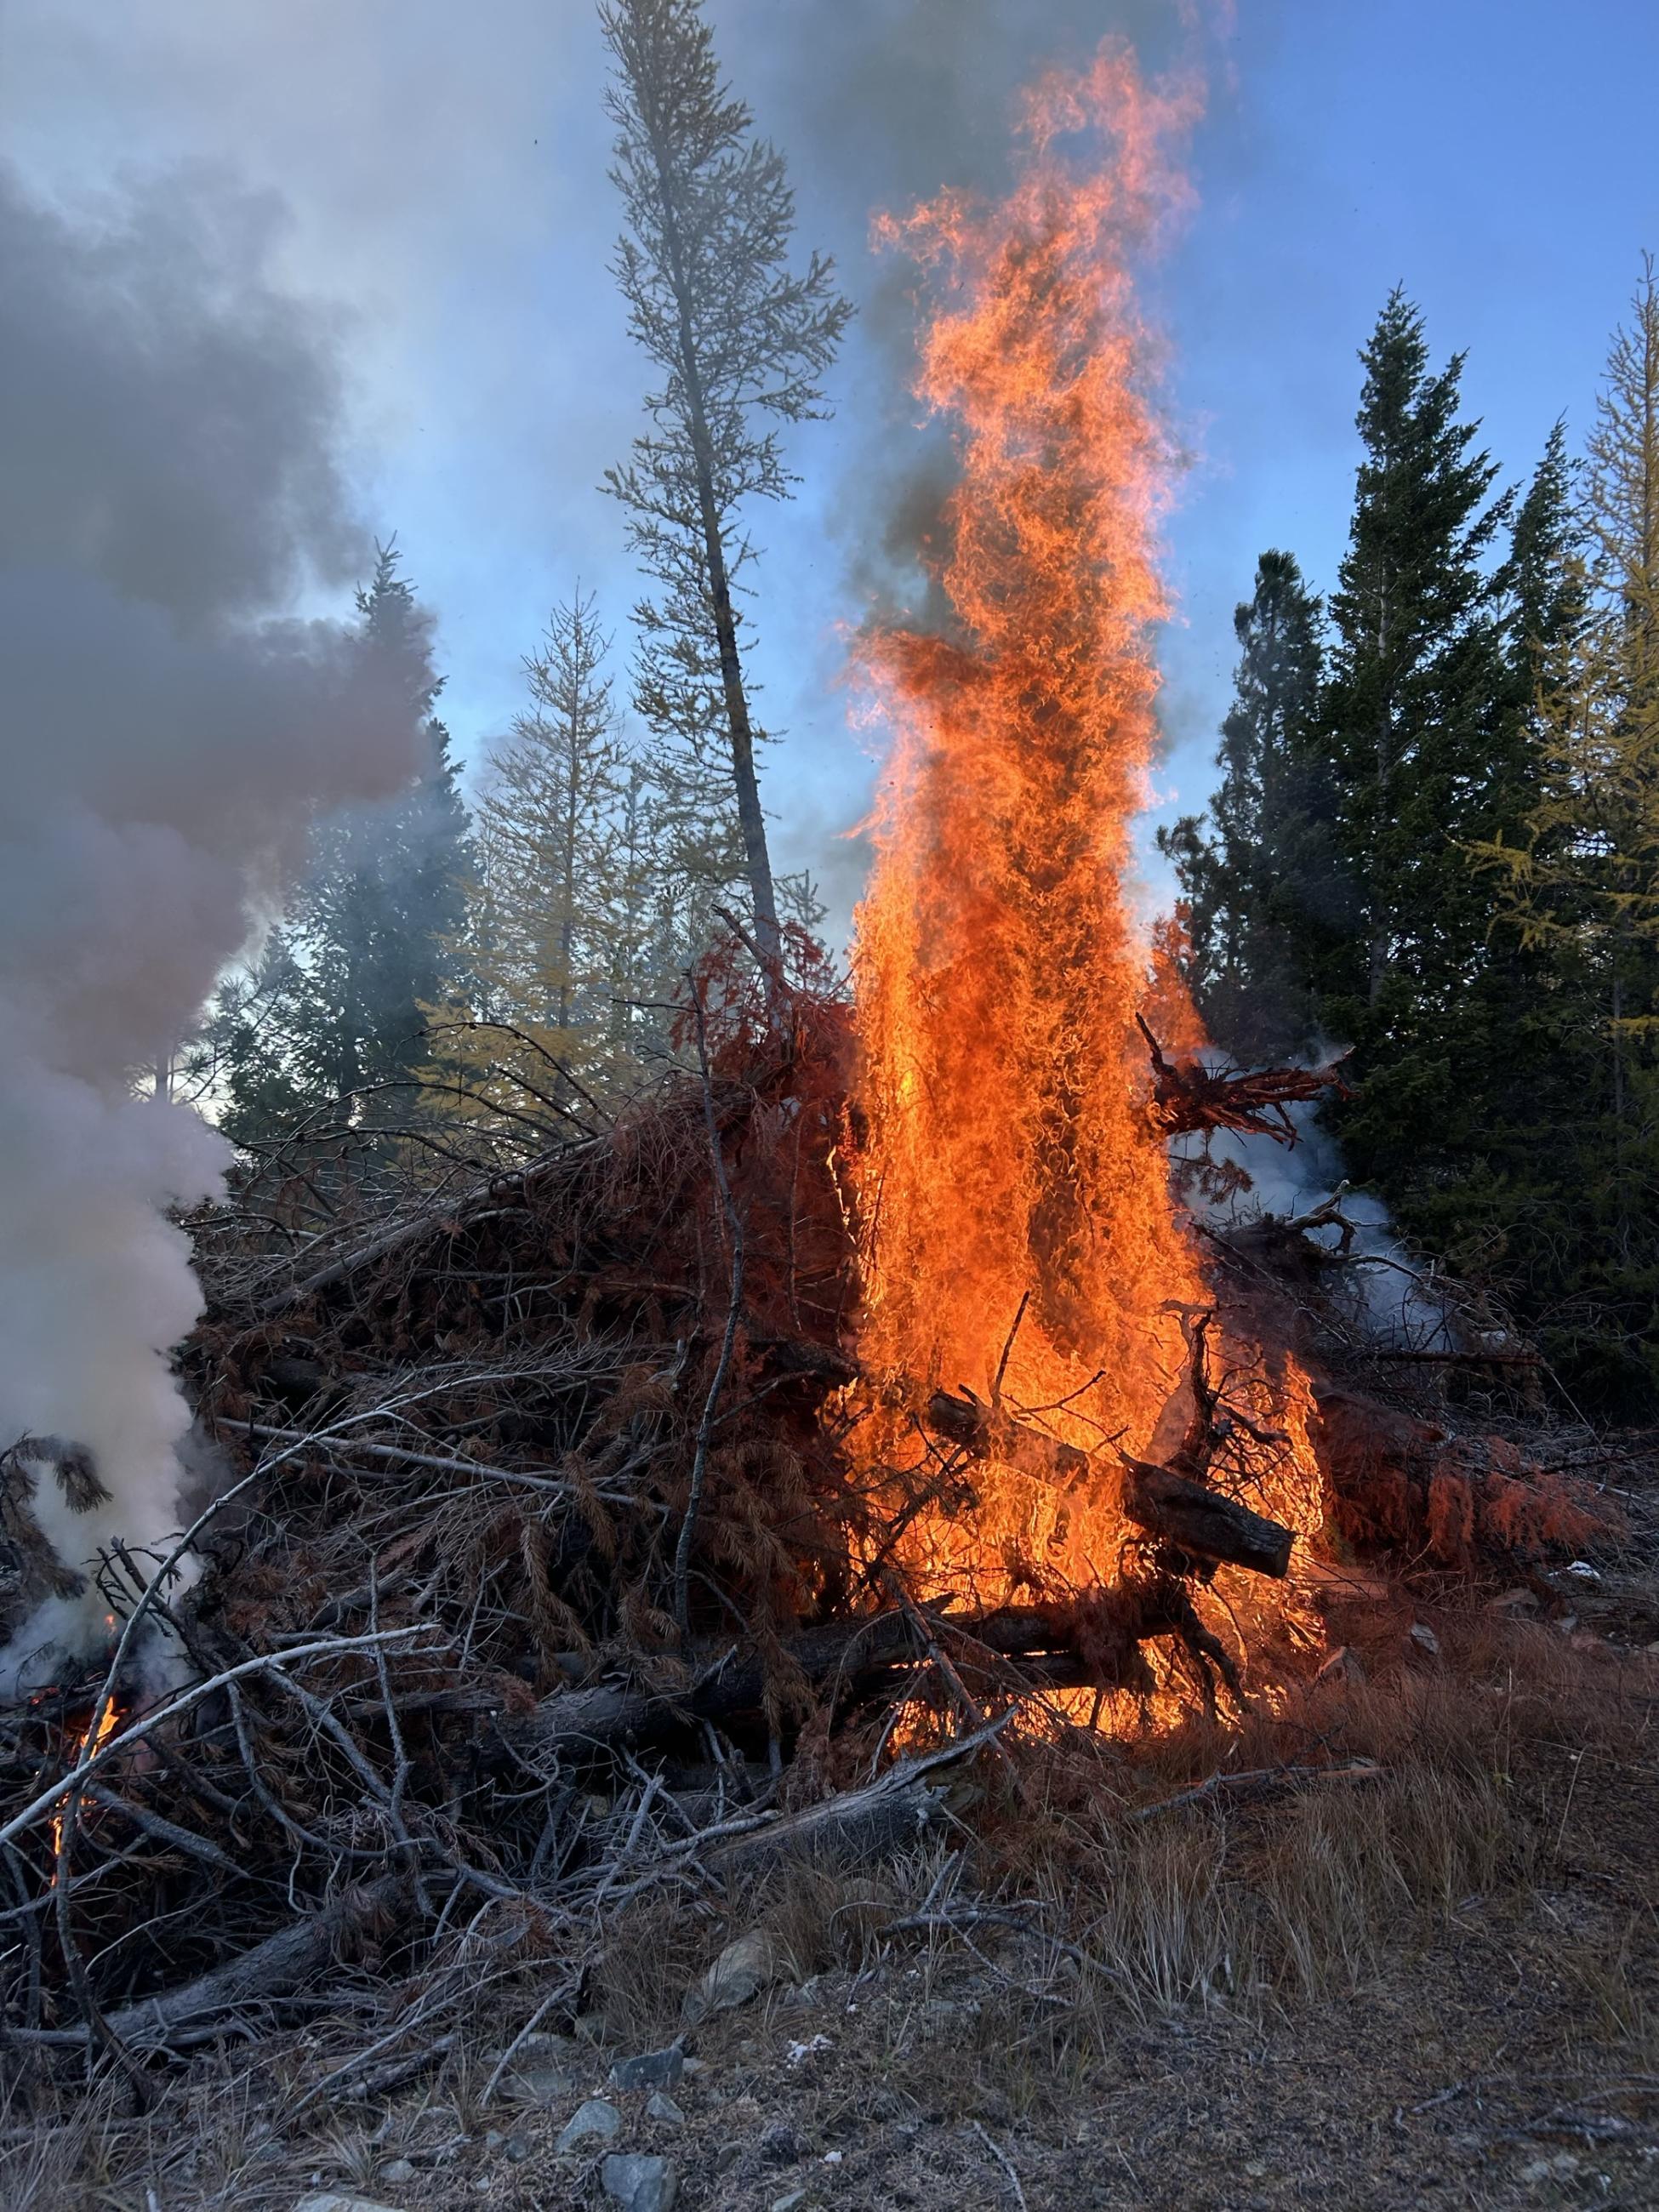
(999, 967)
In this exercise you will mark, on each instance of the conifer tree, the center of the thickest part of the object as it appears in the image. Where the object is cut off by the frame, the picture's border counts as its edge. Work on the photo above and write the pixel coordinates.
(741, 343)
(329, 1021)
(1579, 885)
(569, 942)
(552, 813)
(384, 896)
(1417, 688)
(1258, 875)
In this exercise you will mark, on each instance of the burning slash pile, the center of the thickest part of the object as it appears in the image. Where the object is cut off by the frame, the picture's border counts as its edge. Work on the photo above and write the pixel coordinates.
(758, 1474)
(574, 1545)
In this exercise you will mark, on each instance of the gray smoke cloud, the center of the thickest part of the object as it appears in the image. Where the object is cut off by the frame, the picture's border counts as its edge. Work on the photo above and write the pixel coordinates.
(168, 443)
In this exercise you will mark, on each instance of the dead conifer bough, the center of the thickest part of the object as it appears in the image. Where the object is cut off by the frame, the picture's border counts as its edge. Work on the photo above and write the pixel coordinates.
(541, 1554)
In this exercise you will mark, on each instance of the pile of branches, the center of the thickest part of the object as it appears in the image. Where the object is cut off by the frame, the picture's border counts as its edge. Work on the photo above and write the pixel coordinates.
(538, 1573)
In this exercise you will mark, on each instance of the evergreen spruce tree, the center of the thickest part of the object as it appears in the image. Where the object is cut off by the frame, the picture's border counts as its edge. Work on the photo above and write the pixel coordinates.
(1578, 885)
(553, 810)
(575, 934)
(1419, 731)
(741, 343)
(329, 1023)
(1260, 887)
(384, 896)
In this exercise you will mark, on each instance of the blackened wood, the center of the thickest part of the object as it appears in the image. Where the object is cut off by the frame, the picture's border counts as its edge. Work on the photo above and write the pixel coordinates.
(1203, 1522)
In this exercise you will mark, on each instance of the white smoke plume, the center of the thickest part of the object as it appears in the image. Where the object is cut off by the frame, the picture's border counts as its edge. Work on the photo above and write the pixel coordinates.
(1390, 1298)
(169, 441)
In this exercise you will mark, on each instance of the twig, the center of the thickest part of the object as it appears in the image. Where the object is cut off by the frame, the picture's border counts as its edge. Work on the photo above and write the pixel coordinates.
(1003, 2161)
(406, 1457)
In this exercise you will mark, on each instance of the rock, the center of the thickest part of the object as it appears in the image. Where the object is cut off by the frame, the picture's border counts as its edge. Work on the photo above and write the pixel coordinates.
(791, 2202)
(1344, 1665)
(516, 2149)
(728, 2156)
(340, 2200)
(594, 2120)
(1584, 1572)
(1424, 1639)
(1512, 1604)
(664, 2110)
(741, 1971)
(641, 2184)
(651, 2069)
(401, 2169)
(544, 2087)
(780, 2145)
(1560, 2167)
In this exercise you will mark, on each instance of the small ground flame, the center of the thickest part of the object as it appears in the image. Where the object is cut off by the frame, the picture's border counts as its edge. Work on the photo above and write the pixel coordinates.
(94, 1735)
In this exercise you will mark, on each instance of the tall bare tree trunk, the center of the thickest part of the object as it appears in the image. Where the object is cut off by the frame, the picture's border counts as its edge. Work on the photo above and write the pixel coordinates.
(752, 821)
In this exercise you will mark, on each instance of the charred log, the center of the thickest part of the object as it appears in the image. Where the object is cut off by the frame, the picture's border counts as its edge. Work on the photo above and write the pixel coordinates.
(987, 1432)
(1202, 1522)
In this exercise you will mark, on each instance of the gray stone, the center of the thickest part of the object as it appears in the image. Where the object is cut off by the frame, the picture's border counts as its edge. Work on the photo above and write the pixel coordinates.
(596, 2118)
(728, 2156)
(1344, 1665)
(544, 2087)
(791, 2202)
(401, 2169)
(1425, 1640)
(517, 2149)
(641, 2184)
(1513, 1602)
(741, 1971)
(664, 2110)
(340, 2200)
(651, 2069)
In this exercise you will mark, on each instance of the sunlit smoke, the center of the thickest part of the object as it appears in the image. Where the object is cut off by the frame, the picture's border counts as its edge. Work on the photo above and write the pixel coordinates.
(167, 432)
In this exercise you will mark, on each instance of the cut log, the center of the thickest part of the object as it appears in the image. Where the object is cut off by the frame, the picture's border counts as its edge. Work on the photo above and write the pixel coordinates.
(1093, 1643)
(1203, 1522)
(1156, 1498)
(987, 1432)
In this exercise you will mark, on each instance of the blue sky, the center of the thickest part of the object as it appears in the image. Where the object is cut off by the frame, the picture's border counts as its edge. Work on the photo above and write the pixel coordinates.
(442, 175)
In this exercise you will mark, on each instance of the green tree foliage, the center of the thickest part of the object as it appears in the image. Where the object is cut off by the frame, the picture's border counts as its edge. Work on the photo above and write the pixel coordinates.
(1258, 877)
(1578, 884)
(1445, 854)
(741, 343)
(330, 1023)
(1418, 688)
